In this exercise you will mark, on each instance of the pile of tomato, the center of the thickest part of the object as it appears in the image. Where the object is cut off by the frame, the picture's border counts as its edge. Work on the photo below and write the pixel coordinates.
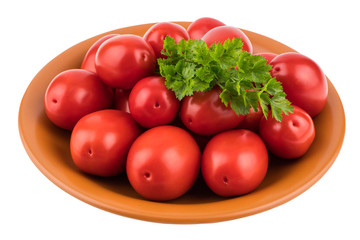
(123, 119)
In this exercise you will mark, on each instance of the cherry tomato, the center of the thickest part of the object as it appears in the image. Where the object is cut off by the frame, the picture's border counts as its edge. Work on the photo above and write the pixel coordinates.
(268, 56)
(234, 162)
(88, 62)
(74, 93)
(198, 28)
(163, 163)
(204, 113)
(101, 140)
(151, 103)
(200, 139)
(290, 138)
(303, 81)
(220, 34)
(251, 120)
(156, 34)
(121, 100)
(123, 60)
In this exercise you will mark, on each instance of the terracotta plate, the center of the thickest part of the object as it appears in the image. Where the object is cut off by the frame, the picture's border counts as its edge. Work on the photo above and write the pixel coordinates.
(48, 148)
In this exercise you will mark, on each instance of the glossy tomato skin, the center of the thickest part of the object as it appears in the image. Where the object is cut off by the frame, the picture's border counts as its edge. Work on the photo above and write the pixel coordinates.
(123, 60)
(204, 113)
(201, 26)
(303, 81)
(151, 103)
(156, 34)
(101, 140)
(268, 56)
(251, 120)
(220, 34)
(163, 163)
(88, 62)
(234, 162)
(74, 93)
(290, 138)
(121, 100)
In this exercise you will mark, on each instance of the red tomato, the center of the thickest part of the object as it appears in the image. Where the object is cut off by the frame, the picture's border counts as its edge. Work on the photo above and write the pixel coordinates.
(198, 28)
(101, 140)
(268, 56)
(205, 114)
(251, 120)
(290, 138)
(234, 163)
(88, 62)
(156, 34)
(220, 34)
(121, 100)
(74, 93)
(200, 139)
(163, 163)
(303, 81)
(123, 60)
(151, 103)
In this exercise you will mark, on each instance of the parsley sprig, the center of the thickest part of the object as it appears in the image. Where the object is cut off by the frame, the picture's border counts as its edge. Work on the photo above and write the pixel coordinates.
(245, 80)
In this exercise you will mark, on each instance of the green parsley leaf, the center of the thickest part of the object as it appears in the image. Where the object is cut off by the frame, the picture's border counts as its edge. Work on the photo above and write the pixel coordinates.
(245, 79)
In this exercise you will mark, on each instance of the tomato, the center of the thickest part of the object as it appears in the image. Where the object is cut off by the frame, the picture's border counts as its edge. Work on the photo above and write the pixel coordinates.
(303, 81)
(290, 138)
(268, 56)
(156, 34)
(121, 100)
(74, 93)
(101, 140)
(151, 103)
(88, 62)
(200, 139)
(198, 28)
(234, 163)
(163, 163)
(251, 120)
(222, 33)
(204, 113)
(123, 60)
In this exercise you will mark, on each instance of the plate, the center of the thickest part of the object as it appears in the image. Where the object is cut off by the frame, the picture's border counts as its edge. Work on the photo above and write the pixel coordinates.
(48, 148)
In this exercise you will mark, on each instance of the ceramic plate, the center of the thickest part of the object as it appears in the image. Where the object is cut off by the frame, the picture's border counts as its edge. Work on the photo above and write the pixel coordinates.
(48, 148)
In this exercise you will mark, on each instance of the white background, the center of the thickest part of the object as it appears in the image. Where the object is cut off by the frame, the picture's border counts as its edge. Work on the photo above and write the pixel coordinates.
(34, 32)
